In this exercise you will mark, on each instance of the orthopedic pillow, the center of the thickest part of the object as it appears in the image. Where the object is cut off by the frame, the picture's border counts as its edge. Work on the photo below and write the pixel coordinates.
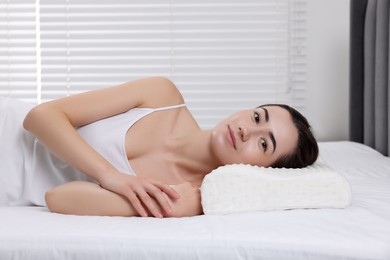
(239, 188)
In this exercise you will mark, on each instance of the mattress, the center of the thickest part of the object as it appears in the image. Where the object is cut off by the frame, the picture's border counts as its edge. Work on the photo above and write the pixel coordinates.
(361, 231)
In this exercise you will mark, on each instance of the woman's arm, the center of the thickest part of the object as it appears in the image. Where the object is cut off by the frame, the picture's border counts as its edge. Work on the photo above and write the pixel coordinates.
(85, 198)
(55, 123)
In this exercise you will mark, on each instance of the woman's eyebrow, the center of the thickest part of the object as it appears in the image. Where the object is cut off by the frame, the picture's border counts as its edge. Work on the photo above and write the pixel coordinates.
(271, 135)
(266, 114)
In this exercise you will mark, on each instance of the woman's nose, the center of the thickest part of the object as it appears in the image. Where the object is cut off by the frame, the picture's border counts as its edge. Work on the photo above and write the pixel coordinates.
(243, 132)
(246, 132)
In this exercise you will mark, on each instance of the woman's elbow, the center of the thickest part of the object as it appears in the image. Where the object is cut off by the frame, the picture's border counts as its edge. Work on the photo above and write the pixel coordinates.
(61, 199)
(50, 198)
(31, 117)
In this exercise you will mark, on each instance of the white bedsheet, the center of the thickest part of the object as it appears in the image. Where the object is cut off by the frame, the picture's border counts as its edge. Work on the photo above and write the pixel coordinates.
(361, 231)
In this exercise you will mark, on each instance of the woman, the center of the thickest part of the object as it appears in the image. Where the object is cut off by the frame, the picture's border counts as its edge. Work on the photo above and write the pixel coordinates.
(134, 140)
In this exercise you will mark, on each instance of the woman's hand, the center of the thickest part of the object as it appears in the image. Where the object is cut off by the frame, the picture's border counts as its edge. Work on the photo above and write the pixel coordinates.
(146, 196)
(189, 203)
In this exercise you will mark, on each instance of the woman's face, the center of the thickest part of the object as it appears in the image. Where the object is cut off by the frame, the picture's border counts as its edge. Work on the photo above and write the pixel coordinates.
(256, 136)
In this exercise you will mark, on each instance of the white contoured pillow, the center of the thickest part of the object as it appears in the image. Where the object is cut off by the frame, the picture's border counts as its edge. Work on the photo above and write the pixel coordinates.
(239, 188)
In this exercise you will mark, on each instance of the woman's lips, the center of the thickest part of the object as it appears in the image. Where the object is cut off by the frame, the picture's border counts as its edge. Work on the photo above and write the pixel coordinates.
(231, 137)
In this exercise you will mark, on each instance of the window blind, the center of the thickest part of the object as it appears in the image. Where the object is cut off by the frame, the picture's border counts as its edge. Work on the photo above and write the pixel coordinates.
(224, 55)
(18, 73)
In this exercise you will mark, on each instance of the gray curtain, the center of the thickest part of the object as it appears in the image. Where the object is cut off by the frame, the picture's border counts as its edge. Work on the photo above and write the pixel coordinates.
(371, 41)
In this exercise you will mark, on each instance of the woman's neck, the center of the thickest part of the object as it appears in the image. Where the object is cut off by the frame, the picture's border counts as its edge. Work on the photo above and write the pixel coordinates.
(193, 155)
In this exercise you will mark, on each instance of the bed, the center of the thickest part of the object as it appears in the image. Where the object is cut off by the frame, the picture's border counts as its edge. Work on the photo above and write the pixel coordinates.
(361, 231)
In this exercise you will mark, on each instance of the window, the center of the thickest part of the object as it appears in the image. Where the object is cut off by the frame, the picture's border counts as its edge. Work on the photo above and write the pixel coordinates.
(224, 55)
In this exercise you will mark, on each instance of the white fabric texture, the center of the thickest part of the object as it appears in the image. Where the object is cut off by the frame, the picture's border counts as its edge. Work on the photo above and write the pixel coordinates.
(16, 145)
(359, 232)
(240, 188)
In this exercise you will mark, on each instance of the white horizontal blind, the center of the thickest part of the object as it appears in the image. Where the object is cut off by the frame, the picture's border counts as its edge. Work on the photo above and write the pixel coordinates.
(224, 55)
(297, 55)
(18, 70)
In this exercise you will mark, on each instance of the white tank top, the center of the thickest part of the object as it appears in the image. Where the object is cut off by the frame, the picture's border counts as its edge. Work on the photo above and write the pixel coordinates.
(107, 136)
(44, 171)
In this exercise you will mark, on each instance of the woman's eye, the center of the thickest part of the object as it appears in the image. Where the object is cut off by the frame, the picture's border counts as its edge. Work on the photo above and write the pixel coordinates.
(257, 117)
(263, 144)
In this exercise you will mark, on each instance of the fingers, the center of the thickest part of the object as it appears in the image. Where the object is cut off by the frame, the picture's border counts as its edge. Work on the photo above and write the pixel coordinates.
(168, 189)
(137, 205)
(150, 197)
(157, 200)
(149, 203)
(147, 197)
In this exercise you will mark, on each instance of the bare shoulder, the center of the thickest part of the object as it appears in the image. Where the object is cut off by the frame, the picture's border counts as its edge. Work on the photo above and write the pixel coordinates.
(161, 92)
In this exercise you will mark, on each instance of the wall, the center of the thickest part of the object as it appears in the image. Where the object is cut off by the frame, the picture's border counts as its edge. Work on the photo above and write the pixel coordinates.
(328, 54)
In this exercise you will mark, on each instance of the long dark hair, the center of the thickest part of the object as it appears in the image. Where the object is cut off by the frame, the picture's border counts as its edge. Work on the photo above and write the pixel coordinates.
(306, 151)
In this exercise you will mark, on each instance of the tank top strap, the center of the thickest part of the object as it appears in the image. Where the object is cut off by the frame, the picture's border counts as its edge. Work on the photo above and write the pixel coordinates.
(169, 107)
